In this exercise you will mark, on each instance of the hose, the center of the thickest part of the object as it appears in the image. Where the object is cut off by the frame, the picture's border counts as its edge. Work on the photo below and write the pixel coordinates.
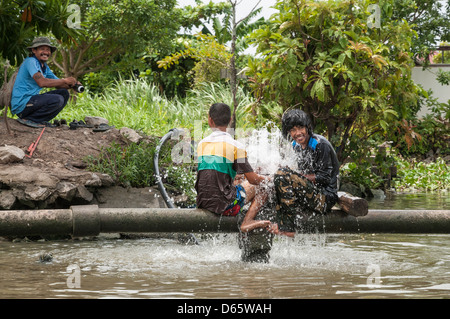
(161, 187)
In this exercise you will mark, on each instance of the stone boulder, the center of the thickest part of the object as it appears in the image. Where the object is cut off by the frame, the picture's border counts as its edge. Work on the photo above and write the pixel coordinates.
(95, 120)
(130, 134)
(11, 154)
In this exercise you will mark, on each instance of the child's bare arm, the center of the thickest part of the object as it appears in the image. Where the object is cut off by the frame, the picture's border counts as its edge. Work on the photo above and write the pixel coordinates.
(255, 179)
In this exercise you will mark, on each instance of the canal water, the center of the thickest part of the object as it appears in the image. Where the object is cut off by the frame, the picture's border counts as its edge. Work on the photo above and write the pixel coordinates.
(319, 265)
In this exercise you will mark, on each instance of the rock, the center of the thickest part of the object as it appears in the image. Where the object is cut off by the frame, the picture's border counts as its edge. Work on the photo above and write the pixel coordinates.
(78, 164)
(106, 180)
(352, 189)
(120, 197)
(37, 193)
(19, 175)
(66, 190)
(7, 199)
(95, 120)
(49, 201)
(84, 194)
(130, 134)
(10, 154)
(56, 176)
(22, 198)
(94, 181)
(180, 200)
(378, 193)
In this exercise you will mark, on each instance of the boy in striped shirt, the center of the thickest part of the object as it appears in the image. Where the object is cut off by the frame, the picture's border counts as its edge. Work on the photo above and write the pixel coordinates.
(220, 159)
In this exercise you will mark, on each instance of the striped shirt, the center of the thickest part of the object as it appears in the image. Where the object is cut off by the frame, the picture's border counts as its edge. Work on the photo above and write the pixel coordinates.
(220, 158)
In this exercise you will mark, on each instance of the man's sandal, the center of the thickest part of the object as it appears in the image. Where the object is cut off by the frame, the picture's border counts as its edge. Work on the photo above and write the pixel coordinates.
(30, 123)
(102, 127)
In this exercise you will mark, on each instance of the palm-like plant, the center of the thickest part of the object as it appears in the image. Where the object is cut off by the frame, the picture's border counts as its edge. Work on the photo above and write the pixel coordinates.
(222, 28)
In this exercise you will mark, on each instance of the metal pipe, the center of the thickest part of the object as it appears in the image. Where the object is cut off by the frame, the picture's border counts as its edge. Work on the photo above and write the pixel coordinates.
(164, 220)
(36, 222)
(90, 220)
(392, 221)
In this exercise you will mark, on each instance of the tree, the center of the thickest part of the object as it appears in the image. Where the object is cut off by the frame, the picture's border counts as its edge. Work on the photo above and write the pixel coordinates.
(198, 57)
(201, 14)
(209, 54)
(209, 46)
(223, 29)
(234, 32)
(330, 59)
(429, 18)
(22, 20)
(234, 25)
(117, 30)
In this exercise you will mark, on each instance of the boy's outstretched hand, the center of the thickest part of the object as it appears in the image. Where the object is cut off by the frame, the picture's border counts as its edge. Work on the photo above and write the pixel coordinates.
(273, 228)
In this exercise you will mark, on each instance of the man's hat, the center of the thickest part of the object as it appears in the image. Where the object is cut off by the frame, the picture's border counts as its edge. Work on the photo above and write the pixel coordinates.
(39, 41)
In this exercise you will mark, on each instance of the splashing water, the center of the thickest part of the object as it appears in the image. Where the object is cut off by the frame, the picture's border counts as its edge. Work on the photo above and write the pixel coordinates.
(267, 150)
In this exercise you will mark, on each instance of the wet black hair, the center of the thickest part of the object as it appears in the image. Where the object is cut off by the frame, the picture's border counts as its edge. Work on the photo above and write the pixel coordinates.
(220, 113)
(293, 118)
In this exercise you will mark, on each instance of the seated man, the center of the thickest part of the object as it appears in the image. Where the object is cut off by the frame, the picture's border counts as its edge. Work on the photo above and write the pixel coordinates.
(32, 108)
(220, 158)
(311, 187)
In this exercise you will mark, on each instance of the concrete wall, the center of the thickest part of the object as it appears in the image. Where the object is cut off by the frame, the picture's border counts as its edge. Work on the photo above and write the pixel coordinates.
(427, 78)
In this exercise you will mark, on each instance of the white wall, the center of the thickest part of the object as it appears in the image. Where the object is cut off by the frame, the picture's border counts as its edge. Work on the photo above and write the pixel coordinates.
(427, 78)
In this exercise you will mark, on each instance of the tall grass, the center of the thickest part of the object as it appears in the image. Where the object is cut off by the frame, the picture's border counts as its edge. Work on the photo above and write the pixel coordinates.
(138, 104)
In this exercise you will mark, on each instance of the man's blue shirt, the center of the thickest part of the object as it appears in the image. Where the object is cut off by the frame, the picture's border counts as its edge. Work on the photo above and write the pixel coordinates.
(25, 86)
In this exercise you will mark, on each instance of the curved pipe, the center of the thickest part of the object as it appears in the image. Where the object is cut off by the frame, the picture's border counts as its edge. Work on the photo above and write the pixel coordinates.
(161, 187)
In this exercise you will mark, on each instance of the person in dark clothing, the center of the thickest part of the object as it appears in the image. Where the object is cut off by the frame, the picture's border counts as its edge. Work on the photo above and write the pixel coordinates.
(311, 188)
(32, 108)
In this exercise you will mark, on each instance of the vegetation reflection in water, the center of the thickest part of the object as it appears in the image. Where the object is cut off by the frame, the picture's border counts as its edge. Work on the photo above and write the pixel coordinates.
(412, 201)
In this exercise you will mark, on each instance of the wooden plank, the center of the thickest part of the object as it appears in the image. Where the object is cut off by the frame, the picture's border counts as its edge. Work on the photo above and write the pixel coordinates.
(353, 205)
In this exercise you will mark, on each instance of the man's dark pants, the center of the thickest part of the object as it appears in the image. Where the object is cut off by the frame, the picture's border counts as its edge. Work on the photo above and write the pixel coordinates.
(297, 199)
(44, 107)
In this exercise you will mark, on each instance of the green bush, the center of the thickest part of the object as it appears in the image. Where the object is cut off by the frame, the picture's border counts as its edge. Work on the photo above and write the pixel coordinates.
(421, 176)
(129, 166)
(133, 166)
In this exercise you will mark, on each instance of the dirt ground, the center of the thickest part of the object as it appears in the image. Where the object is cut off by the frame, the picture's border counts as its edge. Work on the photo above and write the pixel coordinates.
(58, 145)
(55, 175)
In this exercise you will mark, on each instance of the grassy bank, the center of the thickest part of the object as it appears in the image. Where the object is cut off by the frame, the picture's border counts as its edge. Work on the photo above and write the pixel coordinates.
(140, 105)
